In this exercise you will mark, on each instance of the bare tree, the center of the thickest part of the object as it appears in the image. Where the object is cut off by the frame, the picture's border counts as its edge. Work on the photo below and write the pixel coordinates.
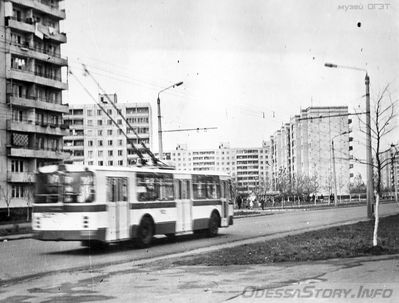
(7, 196)
(283, 183)
(28, 194)
(382, 124)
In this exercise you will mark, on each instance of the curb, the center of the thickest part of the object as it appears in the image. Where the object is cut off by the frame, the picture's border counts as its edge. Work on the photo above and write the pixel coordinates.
(15, 237)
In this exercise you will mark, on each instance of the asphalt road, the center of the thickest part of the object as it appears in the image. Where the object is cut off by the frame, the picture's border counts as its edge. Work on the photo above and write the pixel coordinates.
(28, 257)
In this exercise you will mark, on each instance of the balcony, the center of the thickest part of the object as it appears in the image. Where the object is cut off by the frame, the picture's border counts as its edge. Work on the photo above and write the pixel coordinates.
(29, 76)
(21, 26)
(25, 177)
(29, 126)
(73, 147)
(43, 8)
(52, 34)
(37, 103)
(39, 54)
(40, 29)
(27, 152)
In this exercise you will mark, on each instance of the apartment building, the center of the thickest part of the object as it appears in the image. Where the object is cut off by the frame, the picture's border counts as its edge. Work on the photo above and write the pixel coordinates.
(94, 139)
(310, 144)
(390, 171)
(249, 167)
(31, 84)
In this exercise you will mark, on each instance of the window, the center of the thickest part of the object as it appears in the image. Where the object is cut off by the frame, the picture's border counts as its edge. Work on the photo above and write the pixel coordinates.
(182, 189)
(120, 162)
(17, 166)
(117, 189)
(110, 153)
(120, 152)
(100, 153)
(17, 191)
(99, 122)
(100, 142)
(99, 112)
(109, 132)
(90, 154)
(110, 163)
(100, 132)
(206, 187)
(90, 143)
(109, 142)
(100, 163)
(119, 121)
(109, 122)
(120, 142)
(154, 187)
(89, 112)
(109, 111)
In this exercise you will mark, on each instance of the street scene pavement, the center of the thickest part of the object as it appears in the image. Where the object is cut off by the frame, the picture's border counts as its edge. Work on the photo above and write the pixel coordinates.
(66, 272)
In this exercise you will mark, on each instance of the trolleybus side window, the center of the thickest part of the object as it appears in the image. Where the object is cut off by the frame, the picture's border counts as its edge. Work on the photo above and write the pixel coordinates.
(154, 187)
(206, 187)
(117, 189)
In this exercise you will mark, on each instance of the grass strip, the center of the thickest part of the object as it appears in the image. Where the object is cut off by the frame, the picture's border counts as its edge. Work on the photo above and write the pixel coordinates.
(336, 242)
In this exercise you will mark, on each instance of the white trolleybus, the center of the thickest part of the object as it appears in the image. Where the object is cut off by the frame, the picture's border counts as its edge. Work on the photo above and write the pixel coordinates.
(105, 204)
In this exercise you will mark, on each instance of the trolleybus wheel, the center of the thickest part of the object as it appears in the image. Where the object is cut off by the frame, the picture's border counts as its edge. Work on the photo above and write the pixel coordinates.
(213, 225)
(145, 232)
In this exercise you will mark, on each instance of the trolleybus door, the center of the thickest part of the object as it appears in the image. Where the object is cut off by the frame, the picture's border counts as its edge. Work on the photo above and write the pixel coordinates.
(183, 205)
(118, 208)
(225, 203)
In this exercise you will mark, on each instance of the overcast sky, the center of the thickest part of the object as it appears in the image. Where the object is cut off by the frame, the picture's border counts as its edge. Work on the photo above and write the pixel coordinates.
(247, 65)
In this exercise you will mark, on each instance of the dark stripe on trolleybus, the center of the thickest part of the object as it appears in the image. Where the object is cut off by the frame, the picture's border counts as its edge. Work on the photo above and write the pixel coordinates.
(69, 208)
(141, 205)
(207, 202)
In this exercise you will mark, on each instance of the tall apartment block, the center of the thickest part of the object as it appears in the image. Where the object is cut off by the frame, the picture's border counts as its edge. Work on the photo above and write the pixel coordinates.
(250, 167)
(31, 85)
(304, 147)
(390, 172)
(95, 140)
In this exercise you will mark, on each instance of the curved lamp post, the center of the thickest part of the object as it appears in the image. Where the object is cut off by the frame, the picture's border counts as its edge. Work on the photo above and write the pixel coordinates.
(160, 151)
(369, 157)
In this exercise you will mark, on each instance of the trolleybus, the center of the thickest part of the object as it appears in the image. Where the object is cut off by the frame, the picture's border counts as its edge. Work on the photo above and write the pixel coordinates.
(110, 204)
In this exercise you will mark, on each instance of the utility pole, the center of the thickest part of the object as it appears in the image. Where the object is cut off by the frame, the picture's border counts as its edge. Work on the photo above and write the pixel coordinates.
(335, 175)
(369, 156)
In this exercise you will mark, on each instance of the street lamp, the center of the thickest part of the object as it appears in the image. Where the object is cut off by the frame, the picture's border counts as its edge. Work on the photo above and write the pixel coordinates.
(395, 176)
(334, 172)
(369, 157)
(159, 118)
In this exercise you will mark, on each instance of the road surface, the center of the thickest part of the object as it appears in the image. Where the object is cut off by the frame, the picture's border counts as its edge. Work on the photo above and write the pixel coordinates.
(29, 258)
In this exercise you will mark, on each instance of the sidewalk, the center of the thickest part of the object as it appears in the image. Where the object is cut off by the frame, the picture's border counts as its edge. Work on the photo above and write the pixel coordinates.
(13, 227)
(371, 279)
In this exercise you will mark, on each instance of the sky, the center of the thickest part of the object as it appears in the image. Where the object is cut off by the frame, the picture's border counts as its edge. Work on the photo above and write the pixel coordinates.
(247, 66)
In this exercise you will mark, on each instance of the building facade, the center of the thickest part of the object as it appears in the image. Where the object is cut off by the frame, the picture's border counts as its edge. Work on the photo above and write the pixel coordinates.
(32, 78)
(390, 171)
(310, 145)
(249, 167)
(95, 140)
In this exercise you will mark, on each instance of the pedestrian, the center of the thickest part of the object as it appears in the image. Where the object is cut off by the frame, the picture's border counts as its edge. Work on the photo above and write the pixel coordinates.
(239, 202)
(262, 203)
